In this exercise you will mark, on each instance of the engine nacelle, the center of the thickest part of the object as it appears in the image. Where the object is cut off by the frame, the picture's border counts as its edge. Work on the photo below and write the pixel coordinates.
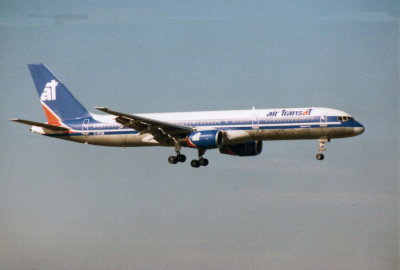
(206, 139)
(242, 149)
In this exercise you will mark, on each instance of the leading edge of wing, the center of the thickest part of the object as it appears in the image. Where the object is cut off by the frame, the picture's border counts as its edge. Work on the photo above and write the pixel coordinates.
(148, 121)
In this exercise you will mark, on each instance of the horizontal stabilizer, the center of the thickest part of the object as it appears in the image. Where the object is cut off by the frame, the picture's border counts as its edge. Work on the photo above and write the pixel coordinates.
(38, 124)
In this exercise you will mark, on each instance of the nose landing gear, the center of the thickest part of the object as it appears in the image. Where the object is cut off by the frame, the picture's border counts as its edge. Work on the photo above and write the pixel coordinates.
(322, 147)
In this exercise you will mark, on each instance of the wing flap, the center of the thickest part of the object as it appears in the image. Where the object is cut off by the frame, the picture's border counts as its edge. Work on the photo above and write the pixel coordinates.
(145, 124)
(38, 124)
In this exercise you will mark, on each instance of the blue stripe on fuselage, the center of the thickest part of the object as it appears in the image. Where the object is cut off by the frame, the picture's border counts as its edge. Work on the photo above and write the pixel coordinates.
(94, 127)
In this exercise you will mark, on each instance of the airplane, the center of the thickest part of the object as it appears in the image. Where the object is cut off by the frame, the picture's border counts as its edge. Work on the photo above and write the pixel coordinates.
(232, 132)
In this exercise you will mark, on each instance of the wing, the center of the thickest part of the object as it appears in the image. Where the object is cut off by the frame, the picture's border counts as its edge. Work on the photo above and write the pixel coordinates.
(148, 125)
(38, 124)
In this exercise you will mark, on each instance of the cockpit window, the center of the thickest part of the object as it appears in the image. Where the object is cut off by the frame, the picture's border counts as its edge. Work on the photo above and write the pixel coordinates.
(345, 118)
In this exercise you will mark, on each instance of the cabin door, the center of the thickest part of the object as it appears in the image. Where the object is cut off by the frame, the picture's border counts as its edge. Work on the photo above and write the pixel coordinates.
(255, 119)
(323, 121)
(85, 127)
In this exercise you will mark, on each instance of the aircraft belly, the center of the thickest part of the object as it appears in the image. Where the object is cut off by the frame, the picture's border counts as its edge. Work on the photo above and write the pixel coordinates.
(128, 140)
(302, 133)
(124, 140)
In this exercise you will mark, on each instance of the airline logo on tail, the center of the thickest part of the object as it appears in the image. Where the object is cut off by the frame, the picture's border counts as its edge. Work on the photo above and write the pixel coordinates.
(49, 91)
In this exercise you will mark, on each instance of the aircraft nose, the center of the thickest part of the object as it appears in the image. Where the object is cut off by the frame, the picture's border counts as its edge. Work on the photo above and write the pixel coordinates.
(359, 129)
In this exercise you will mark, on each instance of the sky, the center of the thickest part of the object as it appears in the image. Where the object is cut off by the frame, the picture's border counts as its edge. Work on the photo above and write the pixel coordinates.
(65, 205)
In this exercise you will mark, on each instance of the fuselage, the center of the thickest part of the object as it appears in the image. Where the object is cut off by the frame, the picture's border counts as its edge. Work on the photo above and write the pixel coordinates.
(238, 126)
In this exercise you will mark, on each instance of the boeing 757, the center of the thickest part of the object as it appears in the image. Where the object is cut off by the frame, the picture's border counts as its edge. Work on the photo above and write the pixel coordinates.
(233, 132)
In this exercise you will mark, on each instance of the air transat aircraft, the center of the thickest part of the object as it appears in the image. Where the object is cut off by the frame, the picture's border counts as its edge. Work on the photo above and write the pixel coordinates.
(238, 132)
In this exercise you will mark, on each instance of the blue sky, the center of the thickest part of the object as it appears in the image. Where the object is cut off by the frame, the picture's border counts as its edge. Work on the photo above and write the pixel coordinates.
(72, 206)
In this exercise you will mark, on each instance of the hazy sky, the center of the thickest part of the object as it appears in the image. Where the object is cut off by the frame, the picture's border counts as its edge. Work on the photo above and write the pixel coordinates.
(71, 206)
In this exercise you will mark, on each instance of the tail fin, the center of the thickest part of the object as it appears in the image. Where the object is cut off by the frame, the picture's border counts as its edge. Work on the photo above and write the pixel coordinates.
(57, 102)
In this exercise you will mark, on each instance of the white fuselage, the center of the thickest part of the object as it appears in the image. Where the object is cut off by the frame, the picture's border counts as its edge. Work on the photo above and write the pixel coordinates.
(238, 126)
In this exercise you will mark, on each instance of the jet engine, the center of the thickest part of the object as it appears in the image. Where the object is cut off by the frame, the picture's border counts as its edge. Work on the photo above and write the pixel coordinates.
(205, 139)
(252, 148)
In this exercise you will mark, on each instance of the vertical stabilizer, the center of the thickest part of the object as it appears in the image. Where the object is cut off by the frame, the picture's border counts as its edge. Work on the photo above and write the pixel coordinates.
(57, 102)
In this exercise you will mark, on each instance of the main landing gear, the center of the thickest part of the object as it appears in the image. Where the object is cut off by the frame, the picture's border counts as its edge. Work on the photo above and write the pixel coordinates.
(322, 147)
(195, 163)
(201, 161)
(179, 157)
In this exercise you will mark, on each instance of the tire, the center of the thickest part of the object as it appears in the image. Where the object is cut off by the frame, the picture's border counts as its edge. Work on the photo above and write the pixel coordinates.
(320, 156)
(195, 163)
(172, 160)
(203, 162)
(181, 158)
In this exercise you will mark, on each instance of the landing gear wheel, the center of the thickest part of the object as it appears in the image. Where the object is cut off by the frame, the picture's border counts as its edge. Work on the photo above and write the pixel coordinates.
(181, 158)
(195, 163)
(322, 147)
(203, 161)
(172, 159)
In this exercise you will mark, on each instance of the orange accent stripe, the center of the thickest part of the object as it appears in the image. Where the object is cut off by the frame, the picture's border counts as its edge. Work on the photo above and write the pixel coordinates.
(51, 117)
